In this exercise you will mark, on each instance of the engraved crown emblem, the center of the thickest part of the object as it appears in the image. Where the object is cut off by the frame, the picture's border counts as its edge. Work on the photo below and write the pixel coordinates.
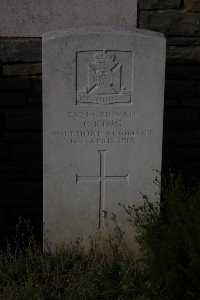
(104, 57)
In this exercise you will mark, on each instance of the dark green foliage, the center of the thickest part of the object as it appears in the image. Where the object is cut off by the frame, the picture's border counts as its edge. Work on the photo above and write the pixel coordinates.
(69, 273)
(169, 236)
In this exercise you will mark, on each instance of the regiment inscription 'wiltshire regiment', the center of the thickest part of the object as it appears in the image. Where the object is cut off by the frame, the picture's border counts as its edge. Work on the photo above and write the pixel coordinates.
(103, 119)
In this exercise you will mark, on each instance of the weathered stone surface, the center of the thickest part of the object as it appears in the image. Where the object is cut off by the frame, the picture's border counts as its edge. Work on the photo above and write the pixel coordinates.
(21, 50)
(192, 5)
(171, 22)
(159, 4)
(22, 69)
(103, 111)
(29, 18)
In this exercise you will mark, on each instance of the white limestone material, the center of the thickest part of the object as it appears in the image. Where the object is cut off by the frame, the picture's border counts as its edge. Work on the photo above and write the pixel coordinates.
(103, 118)
(31, 18)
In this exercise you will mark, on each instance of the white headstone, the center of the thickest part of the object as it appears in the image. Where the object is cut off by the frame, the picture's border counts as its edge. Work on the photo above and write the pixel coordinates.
(103, 120)
(31, 18)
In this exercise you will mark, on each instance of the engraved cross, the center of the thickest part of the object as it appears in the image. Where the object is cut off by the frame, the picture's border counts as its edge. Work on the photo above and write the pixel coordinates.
(102, 178)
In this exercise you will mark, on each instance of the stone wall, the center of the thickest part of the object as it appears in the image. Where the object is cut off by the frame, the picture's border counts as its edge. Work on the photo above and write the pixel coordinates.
(21, 108)
(20, 134)
(180, 21)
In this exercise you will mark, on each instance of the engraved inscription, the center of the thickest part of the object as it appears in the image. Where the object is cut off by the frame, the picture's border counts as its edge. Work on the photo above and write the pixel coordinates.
(102, 128)
(101, 114)
(104, 77)
(101, 179)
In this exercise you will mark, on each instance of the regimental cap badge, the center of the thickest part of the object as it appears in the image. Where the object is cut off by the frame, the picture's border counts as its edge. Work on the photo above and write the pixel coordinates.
(108, 77)
(104, 57)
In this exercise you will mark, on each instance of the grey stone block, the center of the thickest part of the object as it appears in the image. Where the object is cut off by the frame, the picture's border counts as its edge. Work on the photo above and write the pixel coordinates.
(12, 170)
(190, 53)
(35, 169)
(197, 89)
(182, 138)
(35, 99)
(36, 94)
(181, 153)
(30, 150)
(21, 50)
(183, 41)
(22, 69)
(171, 22)
(170, 102)
(23, 119)
(9, 84)
(22, 194)
(12, 99)
(192, 5)
(179, 88)
(159, 4)
(22, 136)
(186, 71)
(37, 85)
(4, 150)
(190, 102)
(181, 118)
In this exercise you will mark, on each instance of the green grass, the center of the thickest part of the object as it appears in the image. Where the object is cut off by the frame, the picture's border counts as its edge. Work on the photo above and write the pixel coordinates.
(169, 237)
(69, 273)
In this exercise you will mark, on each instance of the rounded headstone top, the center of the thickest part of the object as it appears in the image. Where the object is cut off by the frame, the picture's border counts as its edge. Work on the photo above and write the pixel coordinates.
(87, 30)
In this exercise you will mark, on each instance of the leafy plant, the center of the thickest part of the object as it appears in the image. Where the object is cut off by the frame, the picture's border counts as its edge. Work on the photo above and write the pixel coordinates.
(26, 273)
(169, 236)
(168, 232)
